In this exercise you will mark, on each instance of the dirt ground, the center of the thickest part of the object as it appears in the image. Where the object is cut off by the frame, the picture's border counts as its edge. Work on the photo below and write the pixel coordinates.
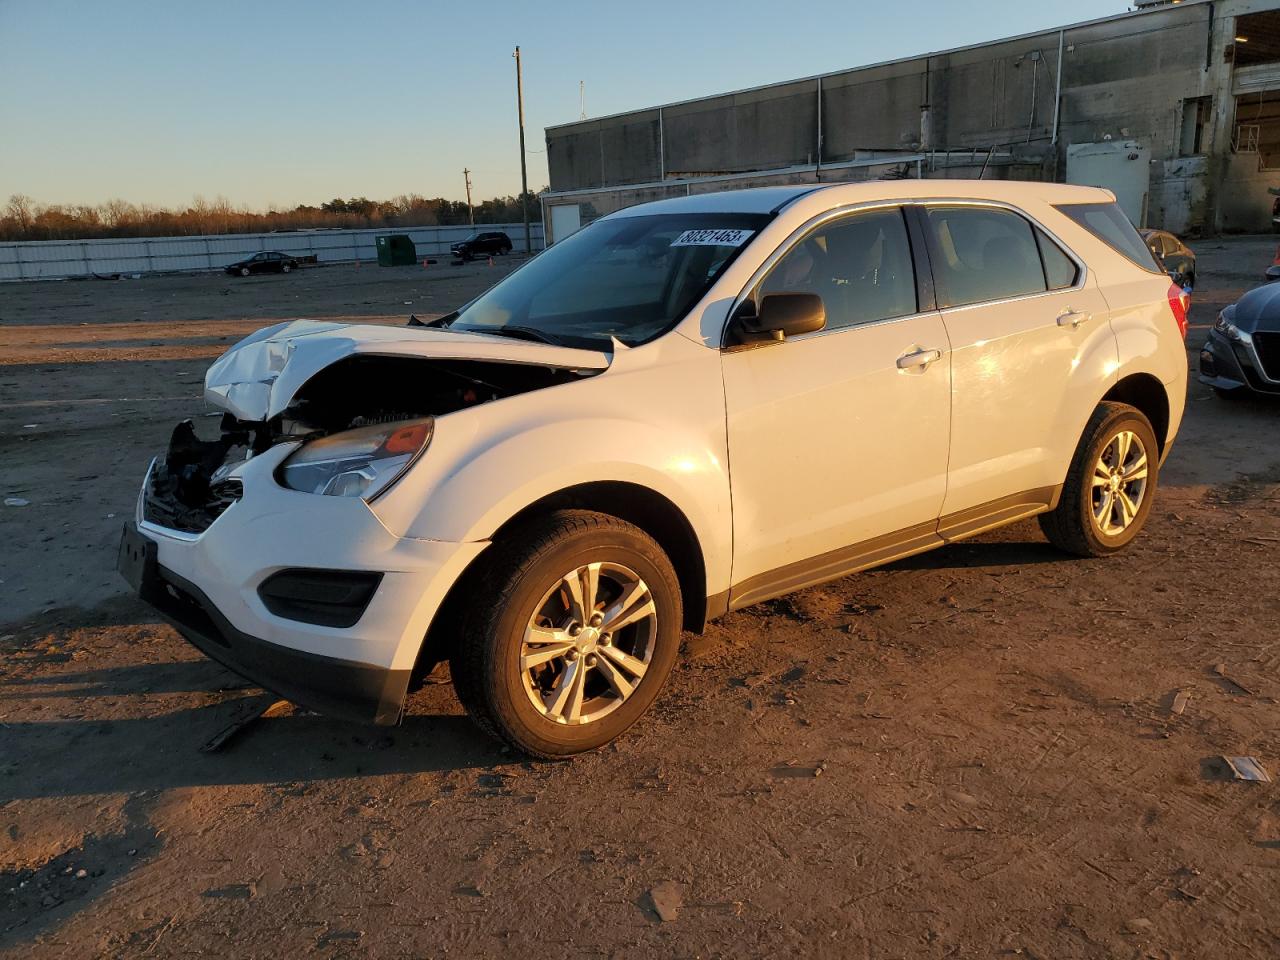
(974, 753)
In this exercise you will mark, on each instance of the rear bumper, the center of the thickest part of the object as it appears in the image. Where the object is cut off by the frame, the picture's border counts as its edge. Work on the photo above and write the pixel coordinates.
(339, 688)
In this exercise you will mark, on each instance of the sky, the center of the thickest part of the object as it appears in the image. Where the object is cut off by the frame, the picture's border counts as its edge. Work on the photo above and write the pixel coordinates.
(280, 102)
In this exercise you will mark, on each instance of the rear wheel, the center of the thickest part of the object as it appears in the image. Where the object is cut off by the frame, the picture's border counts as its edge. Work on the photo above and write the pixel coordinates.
(1110, 485)
(286, 268)
(573, 633)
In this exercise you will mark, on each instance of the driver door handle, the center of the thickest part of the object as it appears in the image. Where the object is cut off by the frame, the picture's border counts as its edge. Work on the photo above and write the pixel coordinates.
(1073, 318)
(919, 358)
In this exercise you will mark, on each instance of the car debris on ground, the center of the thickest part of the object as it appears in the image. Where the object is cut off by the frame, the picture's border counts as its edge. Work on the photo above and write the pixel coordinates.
(1247, 768)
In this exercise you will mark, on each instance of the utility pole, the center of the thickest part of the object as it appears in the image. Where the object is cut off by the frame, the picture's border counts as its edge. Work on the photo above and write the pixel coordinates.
(582, 99)
(524, 173)
(471, 214)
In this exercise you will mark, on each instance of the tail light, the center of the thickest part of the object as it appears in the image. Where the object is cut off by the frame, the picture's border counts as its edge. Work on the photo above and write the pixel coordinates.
(1179, 303)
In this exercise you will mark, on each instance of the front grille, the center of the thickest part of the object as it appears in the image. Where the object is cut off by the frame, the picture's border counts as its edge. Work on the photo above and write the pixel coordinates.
(1268, 346)
(189, 507)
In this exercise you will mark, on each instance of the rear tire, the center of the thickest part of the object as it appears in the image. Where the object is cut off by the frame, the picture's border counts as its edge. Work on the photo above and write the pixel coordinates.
(1110, 485)
(527, 637)
(286, 268)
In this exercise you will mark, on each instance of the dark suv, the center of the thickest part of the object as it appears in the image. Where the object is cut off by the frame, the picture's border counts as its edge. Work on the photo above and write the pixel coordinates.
(482, 245)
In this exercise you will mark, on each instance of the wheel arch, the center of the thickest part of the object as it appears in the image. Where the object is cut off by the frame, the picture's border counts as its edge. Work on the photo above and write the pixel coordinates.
(635, 503)
(651, 512)
(1147, 394)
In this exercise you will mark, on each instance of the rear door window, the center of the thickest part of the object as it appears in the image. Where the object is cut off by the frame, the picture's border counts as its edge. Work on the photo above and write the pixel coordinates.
(982, 254)
(1107, 222)
(1060, 271)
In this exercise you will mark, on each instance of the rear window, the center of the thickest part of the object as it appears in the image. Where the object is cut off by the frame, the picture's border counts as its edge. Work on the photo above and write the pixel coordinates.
(983, 254)
(1107, 222)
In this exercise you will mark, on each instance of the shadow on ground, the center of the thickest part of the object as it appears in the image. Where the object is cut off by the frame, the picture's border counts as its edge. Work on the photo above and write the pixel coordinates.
(138, 725)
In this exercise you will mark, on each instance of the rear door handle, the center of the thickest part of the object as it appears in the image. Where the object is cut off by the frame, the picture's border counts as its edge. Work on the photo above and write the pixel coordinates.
(1073, 318)
(920, 358)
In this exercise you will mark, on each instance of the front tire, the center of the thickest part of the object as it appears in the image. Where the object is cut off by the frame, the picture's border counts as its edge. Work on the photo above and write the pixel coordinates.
(1110, 486)
(244, 271)
(572, 633)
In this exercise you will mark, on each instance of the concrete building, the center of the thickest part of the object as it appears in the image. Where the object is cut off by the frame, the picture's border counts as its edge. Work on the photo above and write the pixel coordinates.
(1175, 105)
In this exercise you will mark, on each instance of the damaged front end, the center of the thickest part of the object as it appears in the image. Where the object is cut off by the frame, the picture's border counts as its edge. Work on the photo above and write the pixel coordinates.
(189, 487)
(360, 400)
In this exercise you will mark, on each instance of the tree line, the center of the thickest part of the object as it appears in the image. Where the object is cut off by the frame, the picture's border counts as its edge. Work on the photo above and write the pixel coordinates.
(24, 219)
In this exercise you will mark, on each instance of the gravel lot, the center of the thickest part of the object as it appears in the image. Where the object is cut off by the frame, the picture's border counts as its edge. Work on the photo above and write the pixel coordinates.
(971, 753)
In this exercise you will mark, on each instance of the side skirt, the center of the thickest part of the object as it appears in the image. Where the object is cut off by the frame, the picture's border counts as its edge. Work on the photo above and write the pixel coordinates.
(881, 550)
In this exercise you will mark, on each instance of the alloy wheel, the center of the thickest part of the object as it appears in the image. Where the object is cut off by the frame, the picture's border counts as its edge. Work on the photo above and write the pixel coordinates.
(589, 643)
(1119, 483)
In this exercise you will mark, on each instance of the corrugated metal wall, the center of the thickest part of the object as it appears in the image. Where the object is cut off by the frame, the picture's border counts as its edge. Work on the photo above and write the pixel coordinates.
(52, 259)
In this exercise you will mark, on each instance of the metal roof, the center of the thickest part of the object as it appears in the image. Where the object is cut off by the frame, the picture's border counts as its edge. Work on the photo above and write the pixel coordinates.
(770, 199)
(1142, 12)
(750, 200)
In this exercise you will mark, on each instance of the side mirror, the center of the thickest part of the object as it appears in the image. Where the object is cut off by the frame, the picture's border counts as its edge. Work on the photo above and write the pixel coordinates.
(780, 315)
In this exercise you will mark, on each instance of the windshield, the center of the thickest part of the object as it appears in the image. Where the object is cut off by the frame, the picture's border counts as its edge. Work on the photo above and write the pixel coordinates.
(632, 278)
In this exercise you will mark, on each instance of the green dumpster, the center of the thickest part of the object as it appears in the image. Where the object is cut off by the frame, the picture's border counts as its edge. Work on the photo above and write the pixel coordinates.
(396, 250)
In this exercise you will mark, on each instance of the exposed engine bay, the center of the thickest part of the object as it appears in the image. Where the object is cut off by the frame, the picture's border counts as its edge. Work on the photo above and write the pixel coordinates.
(190, 486)
(365, 389)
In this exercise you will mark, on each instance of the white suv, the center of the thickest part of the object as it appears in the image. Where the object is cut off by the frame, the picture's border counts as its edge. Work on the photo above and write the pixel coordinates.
(685, 408)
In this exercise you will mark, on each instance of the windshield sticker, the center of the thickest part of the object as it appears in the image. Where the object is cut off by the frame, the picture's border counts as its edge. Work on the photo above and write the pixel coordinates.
(712, 238)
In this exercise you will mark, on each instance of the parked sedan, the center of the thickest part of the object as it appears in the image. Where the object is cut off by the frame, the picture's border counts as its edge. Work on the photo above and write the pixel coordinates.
(263, 263)
(1176, 256)
(1242, 354)
(685, 408)
(493, 243)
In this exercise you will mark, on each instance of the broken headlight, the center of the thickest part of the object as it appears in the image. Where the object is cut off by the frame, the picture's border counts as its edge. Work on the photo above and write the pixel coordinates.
(356, 463)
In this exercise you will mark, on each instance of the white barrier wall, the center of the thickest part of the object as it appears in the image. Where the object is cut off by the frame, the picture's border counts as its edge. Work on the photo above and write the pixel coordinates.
(53, 259)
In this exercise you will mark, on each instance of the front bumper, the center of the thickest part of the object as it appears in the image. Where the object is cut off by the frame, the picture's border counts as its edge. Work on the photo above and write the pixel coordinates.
(338, 688)
(207, 585)
(1233, 365)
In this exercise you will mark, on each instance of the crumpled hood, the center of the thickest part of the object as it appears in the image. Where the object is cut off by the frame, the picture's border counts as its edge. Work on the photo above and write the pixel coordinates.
(257, 378)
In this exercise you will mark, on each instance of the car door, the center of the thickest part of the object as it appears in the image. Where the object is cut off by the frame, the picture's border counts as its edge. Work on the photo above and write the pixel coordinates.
(838, 439)
(1031, 348)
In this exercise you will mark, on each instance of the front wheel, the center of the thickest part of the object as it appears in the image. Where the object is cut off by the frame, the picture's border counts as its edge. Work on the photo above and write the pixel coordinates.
(1110, 486)
(571, 636)
(244, 271)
